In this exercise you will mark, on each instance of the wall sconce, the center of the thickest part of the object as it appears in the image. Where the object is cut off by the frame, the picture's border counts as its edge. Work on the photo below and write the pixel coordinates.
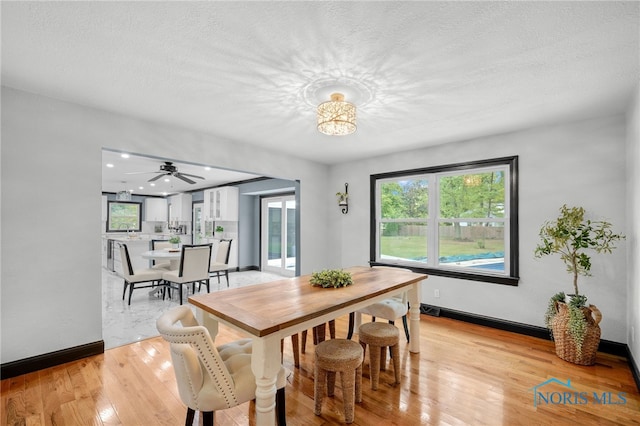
(343, 199)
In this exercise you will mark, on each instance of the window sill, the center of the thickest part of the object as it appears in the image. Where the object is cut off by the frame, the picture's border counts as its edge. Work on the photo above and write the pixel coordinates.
(494, 279)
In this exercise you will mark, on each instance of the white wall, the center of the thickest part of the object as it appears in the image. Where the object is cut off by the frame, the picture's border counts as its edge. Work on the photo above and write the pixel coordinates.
(633, 228)
(50, 182)
(51, 185)
(577, 163)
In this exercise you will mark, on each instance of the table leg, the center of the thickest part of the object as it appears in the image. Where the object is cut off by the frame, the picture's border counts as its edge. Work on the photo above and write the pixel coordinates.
(414, 317)
(265, 364)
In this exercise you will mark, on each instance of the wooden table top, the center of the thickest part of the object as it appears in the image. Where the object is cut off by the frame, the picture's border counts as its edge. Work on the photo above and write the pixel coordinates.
(263, 309)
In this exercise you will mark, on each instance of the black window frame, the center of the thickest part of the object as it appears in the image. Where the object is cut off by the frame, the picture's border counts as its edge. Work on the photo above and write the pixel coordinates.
(512, 164)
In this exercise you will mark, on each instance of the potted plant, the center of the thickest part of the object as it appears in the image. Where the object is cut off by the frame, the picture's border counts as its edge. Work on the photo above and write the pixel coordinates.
(219, 229)
(331, 278)
(574, 325)
(175, 241)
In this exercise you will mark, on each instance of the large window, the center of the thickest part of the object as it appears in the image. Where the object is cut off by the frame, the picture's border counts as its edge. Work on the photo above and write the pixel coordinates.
(459, 220)
(123, 216)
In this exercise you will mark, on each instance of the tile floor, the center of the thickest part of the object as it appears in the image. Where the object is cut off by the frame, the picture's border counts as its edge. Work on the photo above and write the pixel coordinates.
(123, 324)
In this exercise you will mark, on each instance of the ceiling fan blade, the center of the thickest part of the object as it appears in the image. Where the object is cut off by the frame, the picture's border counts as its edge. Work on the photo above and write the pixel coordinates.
(139, 173)
(153, 179)
(193, 176)
(181, 176)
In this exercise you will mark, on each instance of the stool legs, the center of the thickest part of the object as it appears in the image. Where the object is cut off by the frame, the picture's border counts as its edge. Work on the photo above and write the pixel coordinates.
(295, 346)
(351, 382)
(348, 394)
(374, 365)
(319, 385)
(395, 350)
(378, 360)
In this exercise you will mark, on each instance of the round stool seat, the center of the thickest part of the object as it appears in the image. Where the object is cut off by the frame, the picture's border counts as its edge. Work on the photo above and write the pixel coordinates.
(339, 355)
(378, 334)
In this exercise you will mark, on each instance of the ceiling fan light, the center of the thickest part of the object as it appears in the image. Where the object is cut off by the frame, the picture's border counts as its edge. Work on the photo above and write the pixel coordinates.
(336, 117)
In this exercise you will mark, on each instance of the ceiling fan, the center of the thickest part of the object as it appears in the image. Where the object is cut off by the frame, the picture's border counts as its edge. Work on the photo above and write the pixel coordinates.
(168, 169)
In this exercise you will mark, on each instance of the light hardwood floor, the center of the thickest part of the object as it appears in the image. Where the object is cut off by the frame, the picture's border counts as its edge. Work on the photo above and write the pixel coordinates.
(464, 375)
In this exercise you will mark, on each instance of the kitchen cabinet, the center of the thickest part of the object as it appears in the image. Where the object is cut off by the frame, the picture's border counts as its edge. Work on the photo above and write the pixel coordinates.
(155, 209)
(221, 203)
(180, 208)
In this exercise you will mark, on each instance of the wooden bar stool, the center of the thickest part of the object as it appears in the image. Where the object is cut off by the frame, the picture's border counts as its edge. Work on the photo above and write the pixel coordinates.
(343, 356)
(379, 335)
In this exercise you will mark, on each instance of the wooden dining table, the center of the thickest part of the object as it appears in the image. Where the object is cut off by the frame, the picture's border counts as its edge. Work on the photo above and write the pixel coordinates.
(271, 311)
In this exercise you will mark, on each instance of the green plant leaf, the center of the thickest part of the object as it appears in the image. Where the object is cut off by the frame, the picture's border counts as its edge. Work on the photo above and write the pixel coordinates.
(331, 278)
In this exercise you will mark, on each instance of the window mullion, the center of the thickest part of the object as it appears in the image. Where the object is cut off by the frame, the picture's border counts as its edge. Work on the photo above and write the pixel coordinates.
(432, 222)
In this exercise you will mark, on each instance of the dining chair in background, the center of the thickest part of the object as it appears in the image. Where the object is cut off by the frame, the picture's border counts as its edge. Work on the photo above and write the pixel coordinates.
(194, 269)
(132, 278)
(390, 309)
(211, 378)
(160, 264)
(220, 264)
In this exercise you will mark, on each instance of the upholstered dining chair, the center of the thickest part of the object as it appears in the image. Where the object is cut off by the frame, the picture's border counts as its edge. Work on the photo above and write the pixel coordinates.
(164, 265)
(194, 268)
(220, 264)
(390, 309)
(209, 377)
(131, 278)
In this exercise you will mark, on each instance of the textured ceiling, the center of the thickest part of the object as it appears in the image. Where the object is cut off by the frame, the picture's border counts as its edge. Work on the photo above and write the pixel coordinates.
(420, 73)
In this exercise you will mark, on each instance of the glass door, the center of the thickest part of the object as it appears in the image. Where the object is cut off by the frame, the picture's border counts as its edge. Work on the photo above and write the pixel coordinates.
(278, 248)
(198, 223)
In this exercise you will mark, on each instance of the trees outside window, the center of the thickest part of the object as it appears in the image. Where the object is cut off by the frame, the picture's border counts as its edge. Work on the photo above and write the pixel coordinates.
(457, 220)
(123, 216)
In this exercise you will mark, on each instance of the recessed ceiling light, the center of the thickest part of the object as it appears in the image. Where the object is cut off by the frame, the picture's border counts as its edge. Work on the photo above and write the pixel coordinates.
(164, 193)
(124, 155)
(167, 180)
(152, 184)
(109, 165)
(141, 187)
(207, 168)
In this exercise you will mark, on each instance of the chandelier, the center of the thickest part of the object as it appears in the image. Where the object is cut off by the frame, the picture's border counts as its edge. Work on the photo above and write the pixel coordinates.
(336, 117)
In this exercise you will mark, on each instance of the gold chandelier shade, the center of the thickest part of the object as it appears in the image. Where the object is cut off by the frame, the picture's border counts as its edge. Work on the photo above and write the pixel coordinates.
(336, 117)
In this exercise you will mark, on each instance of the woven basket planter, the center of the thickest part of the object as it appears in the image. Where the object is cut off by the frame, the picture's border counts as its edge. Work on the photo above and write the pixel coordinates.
(566, 347)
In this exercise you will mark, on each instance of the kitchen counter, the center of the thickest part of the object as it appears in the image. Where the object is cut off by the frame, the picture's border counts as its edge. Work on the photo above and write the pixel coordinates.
(141, 237)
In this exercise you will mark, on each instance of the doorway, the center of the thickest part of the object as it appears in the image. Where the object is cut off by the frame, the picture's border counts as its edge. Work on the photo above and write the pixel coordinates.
(278, 239)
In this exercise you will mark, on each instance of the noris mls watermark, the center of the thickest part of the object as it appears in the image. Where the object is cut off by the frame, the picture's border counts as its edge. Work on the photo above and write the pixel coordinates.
(547, 393)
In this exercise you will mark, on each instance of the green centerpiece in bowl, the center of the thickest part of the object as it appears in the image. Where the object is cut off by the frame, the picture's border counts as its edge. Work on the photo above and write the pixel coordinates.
(331, 278)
